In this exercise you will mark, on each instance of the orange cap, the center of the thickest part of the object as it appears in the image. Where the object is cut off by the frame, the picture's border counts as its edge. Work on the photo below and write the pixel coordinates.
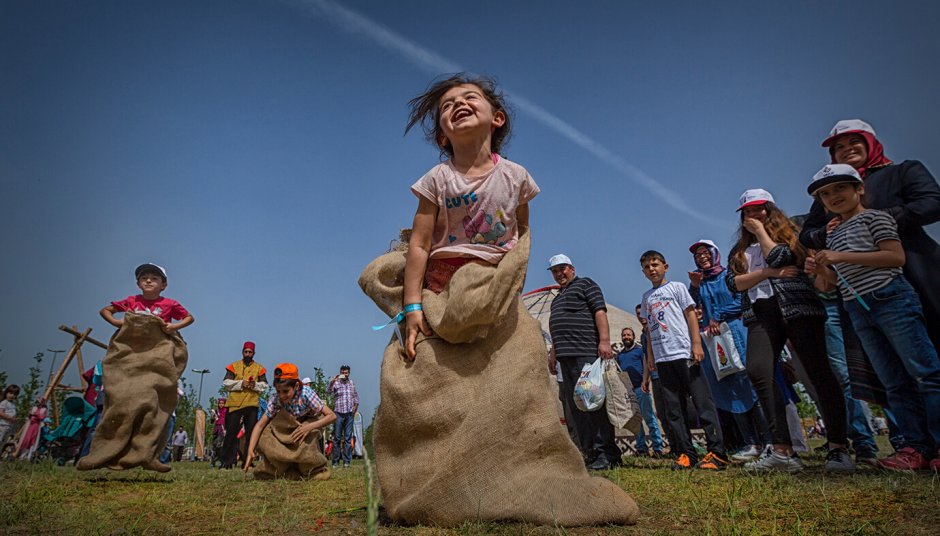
(286, 371)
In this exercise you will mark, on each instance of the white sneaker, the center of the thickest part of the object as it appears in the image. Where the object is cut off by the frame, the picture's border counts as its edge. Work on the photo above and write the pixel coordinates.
(771, 460)
(839, 461)
(748, 453)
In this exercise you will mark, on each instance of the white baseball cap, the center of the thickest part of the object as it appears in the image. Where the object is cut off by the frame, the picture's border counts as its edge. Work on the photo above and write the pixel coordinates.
(847, 126)
(702, 242)
(757, 196)
(306, 380)
(558, 260)
(832, 174)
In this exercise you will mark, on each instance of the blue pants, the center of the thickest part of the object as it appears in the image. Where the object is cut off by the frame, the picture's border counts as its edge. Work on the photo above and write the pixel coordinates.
(860, 432)
(167, 455)
(646, 409)
(895, 339)
(342, 435)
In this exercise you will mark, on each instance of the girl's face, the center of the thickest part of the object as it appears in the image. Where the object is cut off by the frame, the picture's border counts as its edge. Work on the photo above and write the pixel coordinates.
(464, 111)
(755, 212)
(11, 396)
(285, 393)
(850, 149)
(841, 197)
(703, 257)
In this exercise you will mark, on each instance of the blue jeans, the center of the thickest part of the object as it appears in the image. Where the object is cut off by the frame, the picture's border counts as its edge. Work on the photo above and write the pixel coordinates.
(167, 455)
(860, 432)
(342, 434)
(895, 338)
(646, 409)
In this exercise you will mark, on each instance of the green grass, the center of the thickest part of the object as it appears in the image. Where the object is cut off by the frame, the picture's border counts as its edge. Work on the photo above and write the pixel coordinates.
(195, 499)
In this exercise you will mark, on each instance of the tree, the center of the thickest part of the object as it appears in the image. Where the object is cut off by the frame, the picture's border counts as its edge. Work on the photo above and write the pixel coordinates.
(32, 389)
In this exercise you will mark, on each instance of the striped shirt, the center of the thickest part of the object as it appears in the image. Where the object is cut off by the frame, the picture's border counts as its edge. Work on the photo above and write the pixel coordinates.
(345, 396)
(861, 234)
(572, 325)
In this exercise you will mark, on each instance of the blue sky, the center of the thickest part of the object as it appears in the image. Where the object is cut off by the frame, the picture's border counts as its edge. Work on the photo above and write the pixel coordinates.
(256, 150)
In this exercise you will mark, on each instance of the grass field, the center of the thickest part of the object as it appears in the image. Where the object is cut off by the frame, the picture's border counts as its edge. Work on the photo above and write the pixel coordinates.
(195, 499)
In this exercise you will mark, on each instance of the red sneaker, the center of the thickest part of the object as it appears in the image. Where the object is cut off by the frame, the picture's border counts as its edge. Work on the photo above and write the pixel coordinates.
(906, 459)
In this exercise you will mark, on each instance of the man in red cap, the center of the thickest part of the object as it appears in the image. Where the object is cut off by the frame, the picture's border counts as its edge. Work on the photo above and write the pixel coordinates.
(244, 380)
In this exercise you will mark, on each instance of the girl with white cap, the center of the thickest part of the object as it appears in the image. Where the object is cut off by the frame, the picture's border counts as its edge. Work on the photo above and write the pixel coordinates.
(780, 304)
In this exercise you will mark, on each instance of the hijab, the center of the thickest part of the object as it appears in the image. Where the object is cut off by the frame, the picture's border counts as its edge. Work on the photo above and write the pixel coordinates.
(716, 267)
(876, 153)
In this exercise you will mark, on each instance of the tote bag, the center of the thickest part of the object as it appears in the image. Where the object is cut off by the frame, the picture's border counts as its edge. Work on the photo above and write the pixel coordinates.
(723, 352)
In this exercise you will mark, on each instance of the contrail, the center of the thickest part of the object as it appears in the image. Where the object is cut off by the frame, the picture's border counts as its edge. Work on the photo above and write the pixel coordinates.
(427, 60)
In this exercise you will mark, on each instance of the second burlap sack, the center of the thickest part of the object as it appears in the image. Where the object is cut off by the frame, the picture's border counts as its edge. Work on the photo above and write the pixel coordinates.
(469, 430)
(140, 371)
(283, 458)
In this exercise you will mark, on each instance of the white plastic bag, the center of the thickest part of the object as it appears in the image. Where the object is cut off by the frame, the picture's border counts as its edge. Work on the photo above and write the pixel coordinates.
(623, 410)
(723, 352)
(589, 392)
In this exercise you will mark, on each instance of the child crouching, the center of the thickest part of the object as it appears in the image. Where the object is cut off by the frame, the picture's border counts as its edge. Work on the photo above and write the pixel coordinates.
(290, 444)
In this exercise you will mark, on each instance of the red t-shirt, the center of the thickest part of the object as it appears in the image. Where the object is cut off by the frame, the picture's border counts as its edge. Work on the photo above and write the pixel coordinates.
(167, 309)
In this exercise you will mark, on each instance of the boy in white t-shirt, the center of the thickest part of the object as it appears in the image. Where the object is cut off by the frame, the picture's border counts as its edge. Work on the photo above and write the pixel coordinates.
(675, 351)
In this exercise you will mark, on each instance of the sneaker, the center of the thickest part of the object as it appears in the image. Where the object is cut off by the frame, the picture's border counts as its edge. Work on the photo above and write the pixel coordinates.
(906, 459)
(345, 465)
(772, 460)
(713, 462)
(839, 461)
(866, 457)
(746, 454)
(682, 462)
(600, 464)
(335, 465)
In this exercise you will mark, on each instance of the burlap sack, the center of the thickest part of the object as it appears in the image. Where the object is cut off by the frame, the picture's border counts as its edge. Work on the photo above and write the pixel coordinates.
(469, 430)
(140, 372)
(285, 459)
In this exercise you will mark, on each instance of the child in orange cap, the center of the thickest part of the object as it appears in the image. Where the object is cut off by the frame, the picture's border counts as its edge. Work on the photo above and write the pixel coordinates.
(298, 400)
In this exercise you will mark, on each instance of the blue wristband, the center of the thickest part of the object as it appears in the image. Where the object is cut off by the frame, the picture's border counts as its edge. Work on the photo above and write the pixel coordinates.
(412, 307)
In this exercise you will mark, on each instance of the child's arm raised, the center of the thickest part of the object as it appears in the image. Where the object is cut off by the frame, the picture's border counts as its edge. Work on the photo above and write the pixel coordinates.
(692, 320)
(889, 255)
(416, 263)
(108, 314)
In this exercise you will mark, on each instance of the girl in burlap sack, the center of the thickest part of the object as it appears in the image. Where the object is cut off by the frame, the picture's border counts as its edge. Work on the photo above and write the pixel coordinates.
(471, 208)
(291, 443)
(467, 427)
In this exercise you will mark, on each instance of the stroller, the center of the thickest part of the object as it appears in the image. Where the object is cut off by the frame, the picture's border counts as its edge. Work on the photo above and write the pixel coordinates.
(65, 442)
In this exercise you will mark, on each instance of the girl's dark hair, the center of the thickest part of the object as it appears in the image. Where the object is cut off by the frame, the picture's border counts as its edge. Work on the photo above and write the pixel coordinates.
(426, 111)
(15, 389)
(290, 383)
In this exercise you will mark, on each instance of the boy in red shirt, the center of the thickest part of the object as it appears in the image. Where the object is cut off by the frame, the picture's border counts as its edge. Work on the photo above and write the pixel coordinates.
(151, 280)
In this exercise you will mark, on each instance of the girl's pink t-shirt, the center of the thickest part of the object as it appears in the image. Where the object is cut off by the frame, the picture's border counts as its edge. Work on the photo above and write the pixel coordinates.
(165, 308)
(477, 215)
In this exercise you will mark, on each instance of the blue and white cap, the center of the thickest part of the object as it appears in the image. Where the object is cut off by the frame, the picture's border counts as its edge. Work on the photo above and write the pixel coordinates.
(832, 174)
(558, 260)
